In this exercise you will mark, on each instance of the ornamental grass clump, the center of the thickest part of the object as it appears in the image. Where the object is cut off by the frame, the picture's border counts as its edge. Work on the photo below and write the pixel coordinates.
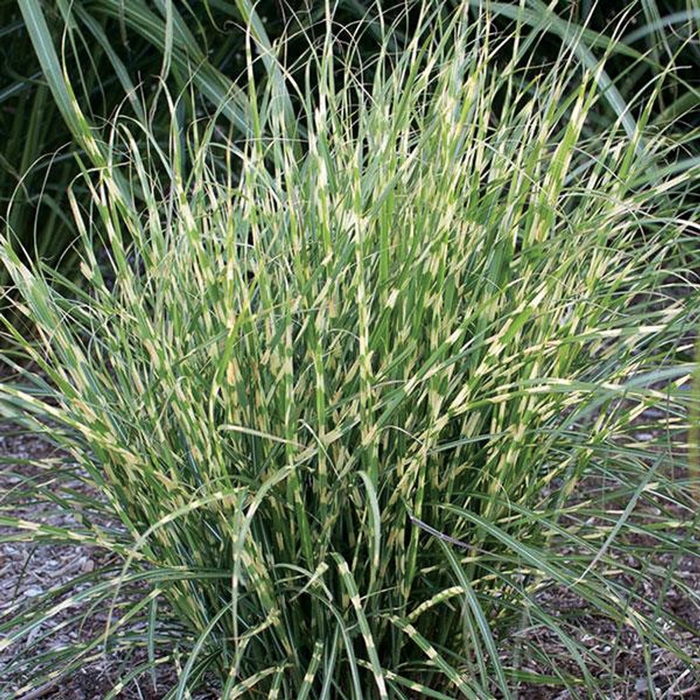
(344, 382)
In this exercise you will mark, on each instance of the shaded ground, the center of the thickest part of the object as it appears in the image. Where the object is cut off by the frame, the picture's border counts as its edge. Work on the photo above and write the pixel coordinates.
(27, 571)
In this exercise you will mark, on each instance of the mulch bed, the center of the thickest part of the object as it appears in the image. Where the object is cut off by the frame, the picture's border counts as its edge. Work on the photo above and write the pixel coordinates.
(27, 571)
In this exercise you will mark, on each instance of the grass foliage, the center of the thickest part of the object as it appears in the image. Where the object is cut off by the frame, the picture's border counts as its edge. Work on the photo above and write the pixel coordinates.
(110, 51)
(341, 381)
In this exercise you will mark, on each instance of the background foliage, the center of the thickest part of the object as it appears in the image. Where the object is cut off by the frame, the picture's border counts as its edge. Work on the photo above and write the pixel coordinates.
(114, 53)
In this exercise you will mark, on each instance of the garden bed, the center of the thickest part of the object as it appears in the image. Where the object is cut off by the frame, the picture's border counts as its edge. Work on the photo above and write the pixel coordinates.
(27, 571)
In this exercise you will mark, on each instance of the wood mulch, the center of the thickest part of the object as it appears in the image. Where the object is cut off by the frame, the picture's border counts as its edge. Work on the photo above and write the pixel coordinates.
(27, 571)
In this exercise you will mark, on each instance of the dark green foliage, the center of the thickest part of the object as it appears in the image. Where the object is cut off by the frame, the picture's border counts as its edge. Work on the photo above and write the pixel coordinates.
(115, 53)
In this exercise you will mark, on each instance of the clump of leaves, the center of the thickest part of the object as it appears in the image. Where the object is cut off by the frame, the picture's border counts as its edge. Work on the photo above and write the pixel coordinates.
(342, 395)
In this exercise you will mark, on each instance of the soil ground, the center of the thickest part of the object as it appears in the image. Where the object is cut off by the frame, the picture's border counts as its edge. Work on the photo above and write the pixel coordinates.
(27, 571)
